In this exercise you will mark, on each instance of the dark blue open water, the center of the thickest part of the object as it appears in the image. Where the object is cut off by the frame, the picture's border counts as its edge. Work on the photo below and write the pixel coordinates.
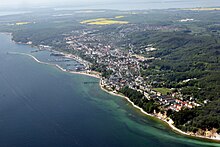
(43, 106)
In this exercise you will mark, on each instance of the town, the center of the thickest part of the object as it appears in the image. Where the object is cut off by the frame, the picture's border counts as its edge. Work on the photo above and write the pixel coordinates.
(122, 67)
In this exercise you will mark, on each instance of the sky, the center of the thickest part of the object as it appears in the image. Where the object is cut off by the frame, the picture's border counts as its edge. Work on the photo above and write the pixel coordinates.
(147, 3)
(30, 2)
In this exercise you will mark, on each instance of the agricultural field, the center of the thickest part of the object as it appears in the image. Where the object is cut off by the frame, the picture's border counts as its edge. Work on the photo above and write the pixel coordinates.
(22, 23)
(203, 9)
(104, 21)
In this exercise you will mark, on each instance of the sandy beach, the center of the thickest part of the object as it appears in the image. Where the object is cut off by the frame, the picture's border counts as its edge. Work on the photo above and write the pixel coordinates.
(164, 120)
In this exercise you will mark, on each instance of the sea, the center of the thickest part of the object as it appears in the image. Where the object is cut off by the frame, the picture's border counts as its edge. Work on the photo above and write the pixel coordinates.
(40, 105)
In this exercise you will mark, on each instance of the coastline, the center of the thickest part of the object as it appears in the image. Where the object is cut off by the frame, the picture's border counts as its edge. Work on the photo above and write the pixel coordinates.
(119, 95)
(175, 129)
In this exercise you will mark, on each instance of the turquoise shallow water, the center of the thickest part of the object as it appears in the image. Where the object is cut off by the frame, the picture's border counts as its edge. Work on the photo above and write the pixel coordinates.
(43, 106)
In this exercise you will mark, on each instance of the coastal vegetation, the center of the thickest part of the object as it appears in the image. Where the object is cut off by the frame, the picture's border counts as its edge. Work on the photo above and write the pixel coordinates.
(199, 118)
(138, 98)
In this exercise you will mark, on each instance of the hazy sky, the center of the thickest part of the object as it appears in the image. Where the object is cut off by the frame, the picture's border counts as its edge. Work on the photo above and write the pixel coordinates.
(177, 3)
(20, 2)
(27, 3)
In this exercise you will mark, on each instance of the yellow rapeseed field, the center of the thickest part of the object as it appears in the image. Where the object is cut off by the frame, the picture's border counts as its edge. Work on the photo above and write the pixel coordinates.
(203, 9)
(103, 21)
(119, 16)
(22, 23)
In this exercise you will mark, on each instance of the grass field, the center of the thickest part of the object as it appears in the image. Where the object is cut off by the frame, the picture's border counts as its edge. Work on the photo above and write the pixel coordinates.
(164, 91)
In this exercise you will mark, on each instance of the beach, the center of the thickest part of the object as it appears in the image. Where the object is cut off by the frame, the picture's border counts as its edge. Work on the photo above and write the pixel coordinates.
(151, 115)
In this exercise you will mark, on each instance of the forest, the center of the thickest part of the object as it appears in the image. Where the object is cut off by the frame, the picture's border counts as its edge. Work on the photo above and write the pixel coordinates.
(187, 56)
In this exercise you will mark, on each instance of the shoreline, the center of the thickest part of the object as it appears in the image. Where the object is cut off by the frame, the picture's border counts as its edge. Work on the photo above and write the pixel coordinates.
(175, 129)
(119, 95)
